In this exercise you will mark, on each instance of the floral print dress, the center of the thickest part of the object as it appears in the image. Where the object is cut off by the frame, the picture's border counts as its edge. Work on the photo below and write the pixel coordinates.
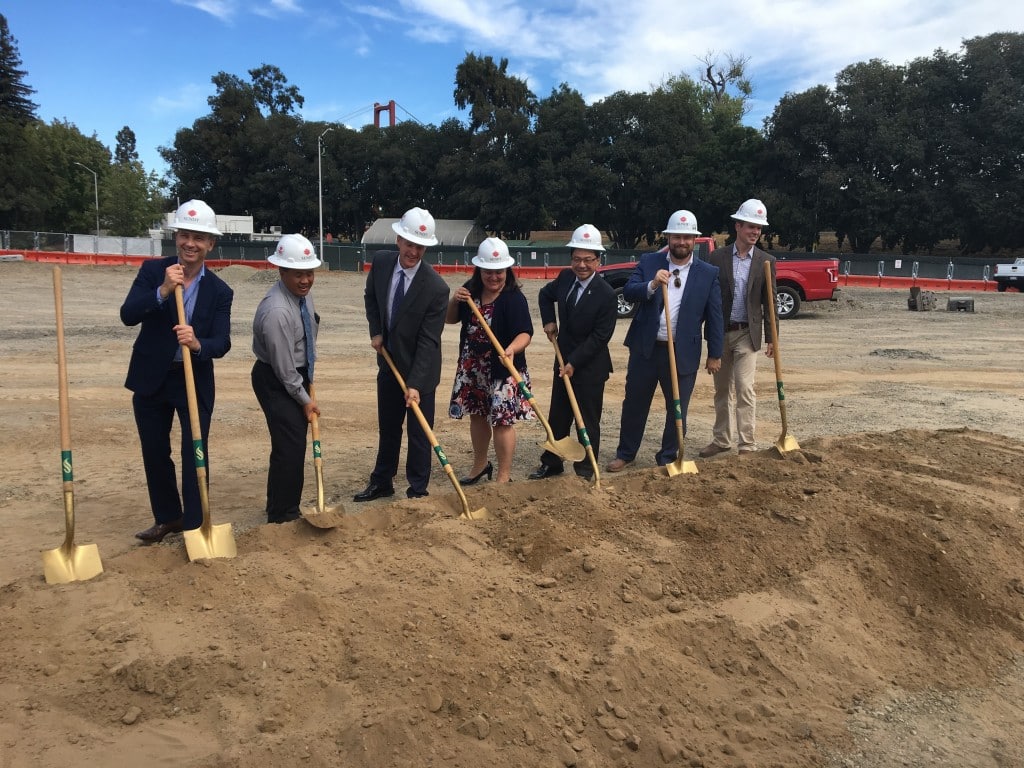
(474, 391)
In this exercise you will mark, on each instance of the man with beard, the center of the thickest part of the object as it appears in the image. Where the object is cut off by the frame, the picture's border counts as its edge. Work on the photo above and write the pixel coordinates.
(694, 300)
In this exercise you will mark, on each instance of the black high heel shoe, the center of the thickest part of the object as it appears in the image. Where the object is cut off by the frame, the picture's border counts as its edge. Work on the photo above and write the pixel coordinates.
(488, 470)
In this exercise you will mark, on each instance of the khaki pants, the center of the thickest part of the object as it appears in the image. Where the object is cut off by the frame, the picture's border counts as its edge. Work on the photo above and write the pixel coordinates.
(734, 393)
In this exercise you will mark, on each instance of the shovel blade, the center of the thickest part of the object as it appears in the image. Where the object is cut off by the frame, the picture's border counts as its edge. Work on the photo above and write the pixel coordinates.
(568, 448)
(328, 517)
(681, 467)
(215, 541)
(475, 514)
(78, 563)
(787, 443)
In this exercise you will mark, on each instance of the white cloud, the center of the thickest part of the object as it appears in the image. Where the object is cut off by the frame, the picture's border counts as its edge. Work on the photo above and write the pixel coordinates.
(189, 99)
(220, 9)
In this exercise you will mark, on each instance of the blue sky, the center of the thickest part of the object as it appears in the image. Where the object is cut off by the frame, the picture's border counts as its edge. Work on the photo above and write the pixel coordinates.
(148, 63)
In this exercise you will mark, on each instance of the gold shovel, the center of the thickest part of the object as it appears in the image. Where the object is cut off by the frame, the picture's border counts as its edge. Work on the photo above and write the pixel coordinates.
(786, 441)
(479, 514)
(322, 516)
(207, 540)
(69, 561)
(679, 466)
(567, 448)
(581, 428)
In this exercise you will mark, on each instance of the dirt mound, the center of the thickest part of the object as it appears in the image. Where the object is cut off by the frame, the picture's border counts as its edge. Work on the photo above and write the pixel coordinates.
(741, 616)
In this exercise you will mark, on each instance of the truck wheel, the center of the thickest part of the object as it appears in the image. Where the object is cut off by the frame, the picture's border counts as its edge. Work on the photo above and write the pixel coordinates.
(787, 302)
(1001, 287)
(623, 306)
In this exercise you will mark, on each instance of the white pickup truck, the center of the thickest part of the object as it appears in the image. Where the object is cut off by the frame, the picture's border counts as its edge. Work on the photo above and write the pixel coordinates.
(1007, 275)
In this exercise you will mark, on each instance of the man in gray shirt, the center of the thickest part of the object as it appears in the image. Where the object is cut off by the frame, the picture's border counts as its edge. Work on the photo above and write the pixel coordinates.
(284, 342)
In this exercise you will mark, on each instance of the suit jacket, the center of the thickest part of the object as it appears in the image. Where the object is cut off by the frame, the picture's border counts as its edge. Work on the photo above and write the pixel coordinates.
(584, 330)
(156, 343)
(414, 340)
(701, 304)
(757, 297)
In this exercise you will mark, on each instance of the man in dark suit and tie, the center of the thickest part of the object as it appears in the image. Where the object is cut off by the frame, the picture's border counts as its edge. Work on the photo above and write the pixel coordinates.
(156, 373)
(695, 300)
(406, 301)
(586, 309)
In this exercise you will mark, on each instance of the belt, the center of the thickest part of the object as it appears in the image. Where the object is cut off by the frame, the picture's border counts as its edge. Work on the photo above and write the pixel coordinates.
(737, 326)
(661, 343)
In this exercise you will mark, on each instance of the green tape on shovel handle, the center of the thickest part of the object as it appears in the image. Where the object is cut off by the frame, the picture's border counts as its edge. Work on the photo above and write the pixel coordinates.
(440, 455)
(584, 437)
(525, 390)
(65, 466)
(316, 450)
(782, 392)
(677, 406)
(199, 453)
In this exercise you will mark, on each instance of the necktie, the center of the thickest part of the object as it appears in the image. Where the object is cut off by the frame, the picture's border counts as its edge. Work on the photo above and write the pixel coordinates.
(307, 333)
(397, 301)
(574, 294)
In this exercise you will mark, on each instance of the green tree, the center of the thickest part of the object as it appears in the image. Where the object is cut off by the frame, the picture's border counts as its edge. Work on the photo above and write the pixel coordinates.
(15, 96)
(125, 151)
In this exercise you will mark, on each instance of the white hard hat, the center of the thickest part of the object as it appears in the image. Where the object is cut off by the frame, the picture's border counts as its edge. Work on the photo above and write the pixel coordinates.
(586, 236)
(195, 216)
(753, 212)
(294, 252)
(493, 254)
(416, 226)
(681, 222)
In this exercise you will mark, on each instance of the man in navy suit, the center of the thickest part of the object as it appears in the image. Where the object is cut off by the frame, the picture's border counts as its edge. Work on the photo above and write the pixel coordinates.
(406, 301)
(586, 308)
(156, 373)
(695, 300)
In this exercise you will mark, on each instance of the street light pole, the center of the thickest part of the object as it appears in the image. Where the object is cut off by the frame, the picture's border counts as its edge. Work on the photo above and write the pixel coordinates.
(96, 194)
(320, 182)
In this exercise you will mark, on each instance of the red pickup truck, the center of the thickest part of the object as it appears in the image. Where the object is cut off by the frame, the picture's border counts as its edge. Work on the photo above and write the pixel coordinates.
(796, 281)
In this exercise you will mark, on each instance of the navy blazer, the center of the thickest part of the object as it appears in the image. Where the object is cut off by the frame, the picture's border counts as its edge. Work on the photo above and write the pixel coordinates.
(415, 340)
(586, 328)
(701, 305)
(156, 343)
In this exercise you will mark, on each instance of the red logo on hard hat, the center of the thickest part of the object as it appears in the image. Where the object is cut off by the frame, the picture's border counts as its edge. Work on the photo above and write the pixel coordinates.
(191, 213)
(423, 227)
(305, 251)
(760, 211)
(586, 235)
(682, 218)
(495, 254)
(280, 249)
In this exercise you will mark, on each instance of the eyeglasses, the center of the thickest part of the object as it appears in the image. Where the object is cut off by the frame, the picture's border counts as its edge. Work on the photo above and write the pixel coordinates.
(675, 273)
(586, 260)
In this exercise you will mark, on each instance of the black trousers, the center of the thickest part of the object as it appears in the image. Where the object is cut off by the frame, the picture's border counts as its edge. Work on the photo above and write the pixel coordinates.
(590, 399)
(391, 415)
(154, 415)
(287, 424)
(643, 375)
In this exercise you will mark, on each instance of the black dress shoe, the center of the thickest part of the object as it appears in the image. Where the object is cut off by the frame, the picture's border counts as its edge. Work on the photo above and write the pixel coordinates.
(287, 517)
(545, 470)
(411, 494)
(374, 491)
(158, 531)
(488, 470)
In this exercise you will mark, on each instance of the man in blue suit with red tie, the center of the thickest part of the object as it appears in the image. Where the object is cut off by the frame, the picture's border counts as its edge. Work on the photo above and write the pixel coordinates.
(694, 300)
(156, 372)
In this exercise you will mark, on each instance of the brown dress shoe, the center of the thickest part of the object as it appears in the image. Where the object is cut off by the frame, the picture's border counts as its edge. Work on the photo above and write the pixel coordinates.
(617, 465)
(712, 450)
(158, 531)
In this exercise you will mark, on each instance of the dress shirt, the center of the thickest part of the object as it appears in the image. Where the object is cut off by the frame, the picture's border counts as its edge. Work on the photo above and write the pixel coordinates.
(740, 278)
(278, 338)
(675, 296)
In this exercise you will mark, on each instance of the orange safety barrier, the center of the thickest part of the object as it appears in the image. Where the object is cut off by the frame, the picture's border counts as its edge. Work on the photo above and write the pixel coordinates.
(928, 283)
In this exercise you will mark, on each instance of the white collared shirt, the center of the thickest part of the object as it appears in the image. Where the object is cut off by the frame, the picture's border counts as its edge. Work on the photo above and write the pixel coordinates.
(675, 295)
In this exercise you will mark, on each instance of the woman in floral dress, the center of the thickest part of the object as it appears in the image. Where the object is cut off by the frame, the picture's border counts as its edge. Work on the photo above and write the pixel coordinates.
(484, 388)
